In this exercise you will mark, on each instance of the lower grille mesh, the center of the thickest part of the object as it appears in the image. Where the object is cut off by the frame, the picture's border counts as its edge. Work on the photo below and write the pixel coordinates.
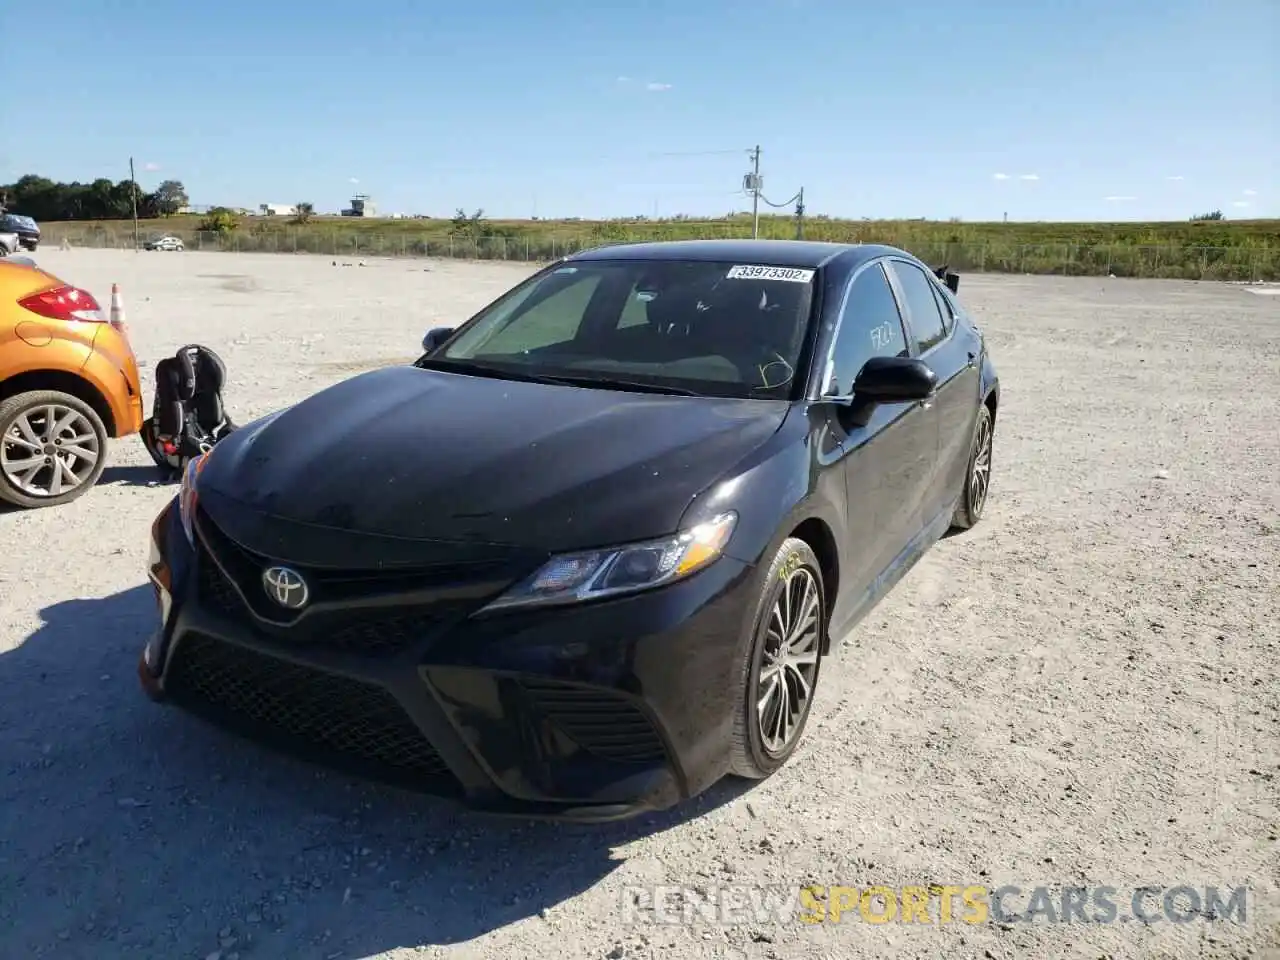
(602, 722)
(347, 717)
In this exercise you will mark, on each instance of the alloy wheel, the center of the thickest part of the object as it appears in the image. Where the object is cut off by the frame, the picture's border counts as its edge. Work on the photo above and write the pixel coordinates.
(980, 477)
(49, 450)
(790, 661)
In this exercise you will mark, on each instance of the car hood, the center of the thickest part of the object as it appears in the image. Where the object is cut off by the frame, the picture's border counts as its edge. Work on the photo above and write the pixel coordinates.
(411, 453)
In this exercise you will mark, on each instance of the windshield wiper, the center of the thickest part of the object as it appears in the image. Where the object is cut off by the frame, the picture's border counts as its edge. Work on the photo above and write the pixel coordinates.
(507, 373)
(612, 383)
(483, 370)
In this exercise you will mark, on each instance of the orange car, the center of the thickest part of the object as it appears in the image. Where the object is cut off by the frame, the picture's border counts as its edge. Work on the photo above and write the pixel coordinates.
(68, 381)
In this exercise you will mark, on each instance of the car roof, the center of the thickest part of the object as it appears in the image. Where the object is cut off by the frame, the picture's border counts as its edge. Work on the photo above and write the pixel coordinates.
(782, 253)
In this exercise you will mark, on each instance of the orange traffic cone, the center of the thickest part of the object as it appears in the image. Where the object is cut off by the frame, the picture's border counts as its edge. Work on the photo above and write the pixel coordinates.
(117, 308)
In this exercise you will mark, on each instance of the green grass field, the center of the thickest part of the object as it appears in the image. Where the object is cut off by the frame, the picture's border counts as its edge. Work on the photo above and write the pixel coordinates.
(1212, 250)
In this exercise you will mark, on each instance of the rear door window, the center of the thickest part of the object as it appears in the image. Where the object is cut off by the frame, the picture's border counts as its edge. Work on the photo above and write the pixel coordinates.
(921, 304)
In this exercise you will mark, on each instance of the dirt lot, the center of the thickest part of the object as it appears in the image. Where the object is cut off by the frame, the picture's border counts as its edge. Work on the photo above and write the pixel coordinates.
(1081, 691)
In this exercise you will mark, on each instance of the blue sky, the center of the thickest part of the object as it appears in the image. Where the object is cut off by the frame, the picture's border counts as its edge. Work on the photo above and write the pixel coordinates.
(1136, 109)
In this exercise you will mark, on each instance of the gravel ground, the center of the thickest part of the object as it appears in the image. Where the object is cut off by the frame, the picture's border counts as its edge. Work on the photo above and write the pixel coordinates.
(1081, 691)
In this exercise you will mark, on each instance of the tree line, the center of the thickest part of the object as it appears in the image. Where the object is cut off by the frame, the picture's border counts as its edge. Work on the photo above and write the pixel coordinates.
(45, 199)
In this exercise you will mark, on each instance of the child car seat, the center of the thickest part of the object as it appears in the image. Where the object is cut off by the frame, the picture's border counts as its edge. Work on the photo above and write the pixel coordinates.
(188, 416)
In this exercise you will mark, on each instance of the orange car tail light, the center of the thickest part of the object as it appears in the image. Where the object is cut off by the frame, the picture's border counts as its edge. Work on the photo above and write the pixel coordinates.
(65, 303)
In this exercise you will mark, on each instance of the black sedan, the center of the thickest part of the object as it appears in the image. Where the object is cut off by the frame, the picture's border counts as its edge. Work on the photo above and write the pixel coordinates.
(587, 555)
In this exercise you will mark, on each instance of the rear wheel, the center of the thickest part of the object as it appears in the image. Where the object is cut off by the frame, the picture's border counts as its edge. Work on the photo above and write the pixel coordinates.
(53, 448)
(779, 671)
(977, 482)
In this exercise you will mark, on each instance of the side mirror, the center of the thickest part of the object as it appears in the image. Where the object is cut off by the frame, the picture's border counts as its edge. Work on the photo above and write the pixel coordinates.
(894, 380)
(952, 280)
(435, 337)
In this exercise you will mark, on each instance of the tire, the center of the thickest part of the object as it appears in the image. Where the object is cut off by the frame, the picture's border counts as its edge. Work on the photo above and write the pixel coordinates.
(973, 496)
(794, 567)
(23, 416)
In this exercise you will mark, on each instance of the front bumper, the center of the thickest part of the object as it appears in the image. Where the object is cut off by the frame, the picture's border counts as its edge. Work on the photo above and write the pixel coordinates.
(590, 713)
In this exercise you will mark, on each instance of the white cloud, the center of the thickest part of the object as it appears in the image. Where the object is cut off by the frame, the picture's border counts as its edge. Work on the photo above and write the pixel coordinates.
(1118, 199)
(1028, 176)
(999, 176)
(657, 87)
(353, 179)
(1176, 177)
(1240, 203)
(624, 79)
(152, 167)
(1250, 193)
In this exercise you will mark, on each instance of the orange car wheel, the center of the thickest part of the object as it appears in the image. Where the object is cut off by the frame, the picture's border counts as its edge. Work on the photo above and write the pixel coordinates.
(53, 448)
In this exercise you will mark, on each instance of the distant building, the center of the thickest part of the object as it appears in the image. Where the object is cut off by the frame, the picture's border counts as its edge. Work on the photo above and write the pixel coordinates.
(361, 206)
(277, 209)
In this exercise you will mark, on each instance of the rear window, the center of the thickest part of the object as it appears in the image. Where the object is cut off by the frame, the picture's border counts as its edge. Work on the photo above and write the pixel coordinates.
(717, 328)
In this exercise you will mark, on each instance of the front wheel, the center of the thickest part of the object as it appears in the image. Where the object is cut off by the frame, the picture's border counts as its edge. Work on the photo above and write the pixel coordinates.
(779, 670)
(53, 448)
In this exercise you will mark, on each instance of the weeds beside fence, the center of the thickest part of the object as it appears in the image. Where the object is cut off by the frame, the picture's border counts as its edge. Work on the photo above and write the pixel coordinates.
(1173, 261)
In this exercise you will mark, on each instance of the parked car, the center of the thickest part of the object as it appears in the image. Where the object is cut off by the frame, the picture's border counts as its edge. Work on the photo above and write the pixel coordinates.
(68, 382)
(164, 243)
(27, 229)
(9, 244)
(590, 552)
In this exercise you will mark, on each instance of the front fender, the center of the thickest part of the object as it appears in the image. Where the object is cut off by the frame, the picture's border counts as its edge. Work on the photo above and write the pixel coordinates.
(990, 382)
(791, 479)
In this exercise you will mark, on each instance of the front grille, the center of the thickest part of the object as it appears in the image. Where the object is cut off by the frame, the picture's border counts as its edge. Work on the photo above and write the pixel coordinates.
(368, 631)
(598, 720)
(349, 718)
(214, 590)
(373, 634)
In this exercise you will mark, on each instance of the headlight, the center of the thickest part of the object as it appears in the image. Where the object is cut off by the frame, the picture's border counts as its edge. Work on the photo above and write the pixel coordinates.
(187, 495)
(573, 577)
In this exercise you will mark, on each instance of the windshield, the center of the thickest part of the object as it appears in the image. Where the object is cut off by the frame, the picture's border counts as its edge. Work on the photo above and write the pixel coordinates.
(713, 329)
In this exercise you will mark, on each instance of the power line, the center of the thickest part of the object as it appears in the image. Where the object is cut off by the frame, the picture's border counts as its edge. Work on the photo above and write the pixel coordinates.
(700, 153)
(785, 203)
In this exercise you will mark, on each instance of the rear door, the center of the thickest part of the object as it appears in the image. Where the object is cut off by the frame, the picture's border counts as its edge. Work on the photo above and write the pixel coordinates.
(932, 323)
(887, 462)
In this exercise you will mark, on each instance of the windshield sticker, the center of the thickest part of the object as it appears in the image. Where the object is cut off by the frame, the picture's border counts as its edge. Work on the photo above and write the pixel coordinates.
(789, 274)
(567, 270)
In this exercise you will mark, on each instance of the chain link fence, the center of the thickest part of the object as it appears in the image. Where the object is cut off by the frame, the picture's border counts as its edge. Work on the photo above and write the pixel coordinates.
(1174, 261)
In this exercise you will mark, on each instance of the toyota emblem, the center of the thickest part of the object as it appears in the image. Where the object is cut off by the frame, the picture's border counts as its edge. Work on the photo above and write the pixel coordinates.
(286, 587)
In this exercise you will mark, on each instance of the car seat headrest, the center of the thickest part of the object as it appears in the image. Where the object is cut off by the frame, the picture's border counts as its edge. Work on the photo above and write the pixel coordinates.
(206, 366)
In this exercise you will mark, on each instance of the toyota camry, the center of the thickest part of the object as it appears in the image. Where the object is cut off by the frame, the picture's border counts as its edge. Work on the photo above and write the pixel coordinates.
(587, 555)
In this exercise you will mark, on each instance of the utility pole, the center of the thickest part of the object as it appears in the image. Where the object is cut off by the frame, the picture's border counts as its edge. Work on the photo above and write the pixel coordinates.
(800, 214)
(755, 193)
(133, 190)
